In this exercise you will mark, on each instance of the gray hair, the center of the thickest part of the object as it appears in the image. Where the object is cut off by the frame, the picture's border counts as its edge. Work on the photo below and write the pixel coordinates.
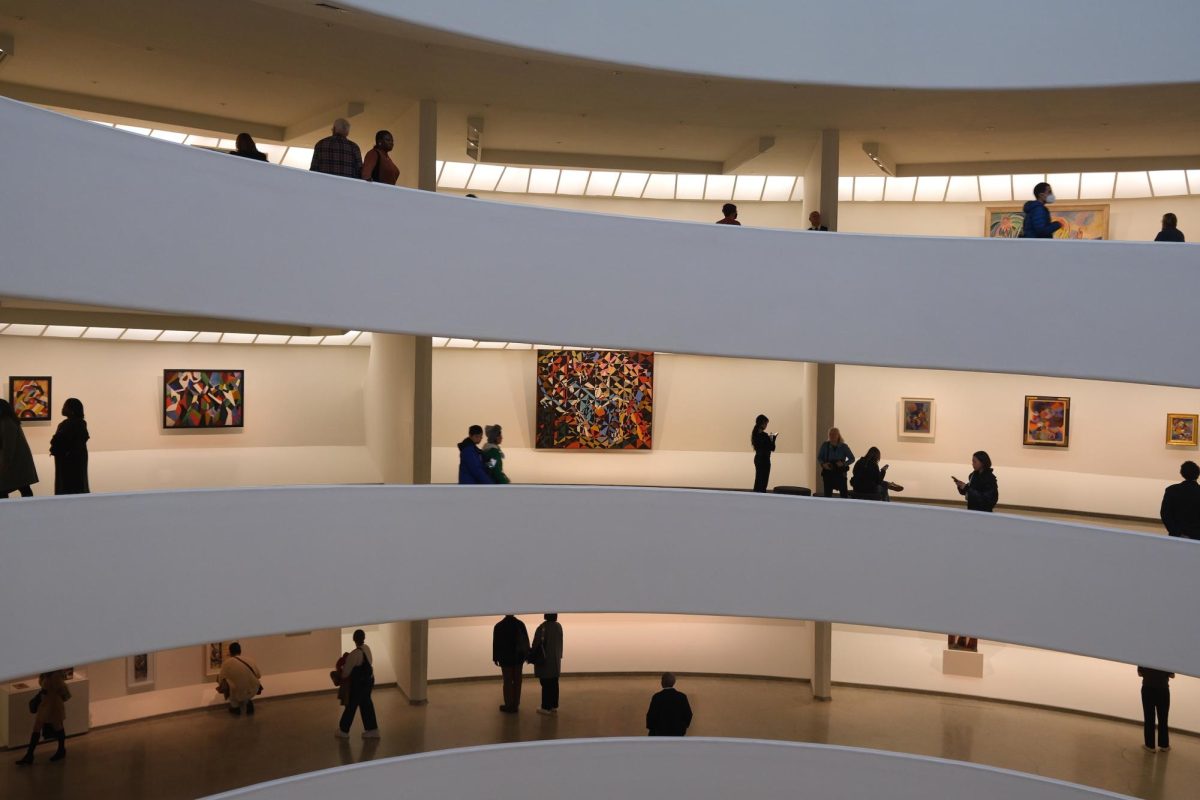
(341, 127)
(493, 433)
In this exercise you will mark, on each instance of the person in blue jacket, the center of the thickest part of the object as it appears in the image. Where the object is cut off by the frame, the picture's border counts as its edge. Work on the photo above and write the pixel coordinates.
(470, 458)
(1038, 224)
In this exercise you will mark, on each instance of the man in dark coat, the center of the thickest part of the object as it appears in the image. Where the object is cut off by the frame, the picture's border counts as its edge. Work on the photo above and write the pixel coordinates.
(510, 647)
(1180, 510)
(470, 458)
(670, 713)
(1037, 224)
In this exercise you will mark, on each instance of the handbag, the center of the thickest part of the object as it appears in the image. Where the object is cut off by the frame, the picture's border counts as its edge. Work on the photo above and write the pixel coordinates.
(537, 653)
(253, 672)
(35, 702)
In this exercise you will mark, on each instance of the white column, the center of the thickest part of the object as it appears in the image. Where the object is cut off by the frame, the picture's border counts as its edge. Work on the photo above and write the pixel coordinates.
(821, 180)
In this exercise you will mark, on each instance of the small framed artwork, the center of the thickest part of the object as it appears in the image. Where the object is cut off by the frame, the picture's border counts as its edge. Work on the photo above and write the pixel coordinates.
(916, 417)
(204, 398)
(1047, 421)
(139, 671)
(1181, 430)
(215, 654)
(30, 397)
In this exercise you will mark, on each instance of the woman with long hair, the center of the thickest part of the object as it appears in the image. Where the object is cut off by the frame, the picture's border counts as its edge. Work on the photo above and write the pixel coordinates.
(69, 448)
(763, 444)
(17, 472)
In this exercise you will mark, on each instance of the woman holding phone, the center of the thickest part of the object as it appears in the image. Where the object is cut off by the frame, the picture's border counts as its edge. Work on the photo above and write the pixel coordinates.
(763, 444)
(982, 493)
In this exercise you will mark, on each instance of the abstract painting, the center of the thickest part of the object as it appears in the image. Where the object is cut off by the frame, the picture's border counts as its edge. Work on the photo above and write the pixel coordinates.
(139, 671)
(1181, 430)
(1079, 221)
(916, 417)
(1047, 421)
(214, 658)
(30, 398)
(203, 398)
(594, 400)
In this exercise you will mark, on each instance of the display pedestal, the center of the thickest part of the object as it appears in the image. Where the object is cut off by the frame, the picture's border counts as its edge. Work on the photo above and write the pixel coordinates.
(16, 723)
(962, 662)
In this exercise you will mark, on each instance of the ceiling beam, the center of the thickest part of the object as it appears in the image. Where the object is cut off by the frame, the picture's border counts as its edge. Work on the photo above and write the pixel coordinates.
(322, 120)
(538, 158)
(129, 319)
(1049, 165)
(747, 153)
(140, 112)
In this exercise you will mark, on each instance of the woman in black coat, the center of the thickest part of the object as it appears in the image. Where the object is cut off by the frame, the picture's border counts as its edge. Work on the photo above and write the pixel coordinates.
(981, 489)
(763, 444)
(69, 448)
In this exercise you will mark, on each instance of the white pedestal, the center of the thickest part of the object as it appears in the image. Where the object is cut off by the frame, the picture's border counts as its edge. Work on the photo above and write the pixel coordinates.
(962, 662)
(16, 723)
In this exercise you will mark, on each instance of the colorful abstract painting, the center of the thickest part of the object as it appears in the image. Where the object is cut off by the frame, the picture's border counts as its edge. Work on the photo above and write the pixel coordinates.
(916, 416)
(203, 398)
(1048, 421)
(594, 399)
(30, 398)
(1079, 221)
(1181, 430)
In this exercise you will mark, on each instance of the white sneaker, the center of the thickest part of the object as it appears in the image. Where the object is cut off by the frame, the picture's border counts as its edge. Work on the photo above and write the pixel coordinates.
(545, 711)
(371, 734)
(341, 734)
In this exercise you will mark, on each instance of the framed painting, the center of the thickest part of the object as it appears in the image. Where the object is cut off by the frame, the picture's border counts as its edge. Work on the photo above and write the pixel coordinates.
(215, 654)
(594, 400)
(30, 397)
(916, 417)
(1181, 430)
(1079, 221)
(1047, 421)
(139, 671)
(204, 398)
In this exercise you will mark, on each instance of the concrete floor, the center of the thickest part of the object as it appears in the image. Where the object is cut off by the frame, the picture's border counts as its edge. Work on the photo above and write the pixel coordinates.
(202, 752)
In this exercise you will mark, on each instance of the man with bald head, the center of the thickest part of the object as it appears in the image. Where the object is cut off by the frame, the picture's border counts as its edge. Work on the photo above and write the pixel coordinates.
(336, 154)
(670, 713)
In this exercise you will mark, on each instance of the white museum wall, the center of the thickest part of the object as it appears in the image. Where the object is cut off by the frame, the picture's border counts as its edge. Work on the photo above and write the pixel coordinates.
(757, 215)
(1128, 220)
(1117, 461)
(913, 660)
(295, 432)
(704, 410)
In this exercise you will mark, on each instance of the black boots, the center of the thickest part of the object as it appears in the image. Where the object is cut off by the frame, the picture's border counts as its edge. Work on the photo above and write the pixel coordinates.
(28, 758)
(59, 754)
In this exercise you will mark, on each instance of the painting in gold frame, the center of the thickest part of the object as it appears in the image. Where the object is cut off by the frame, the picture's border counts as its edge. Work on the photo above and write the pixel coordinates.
(1080, 221)
(1181, 430)
(1047, 421)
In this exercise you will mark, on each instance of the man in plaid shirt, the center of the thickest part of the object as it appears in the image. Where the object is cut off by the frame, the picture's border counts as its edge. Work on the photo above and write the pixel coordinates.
(336, 154)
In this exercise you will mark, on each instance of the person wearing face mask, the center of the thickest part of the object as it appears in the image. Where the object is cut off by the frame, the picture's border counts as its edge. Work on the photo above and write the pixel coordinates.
(1038, 224)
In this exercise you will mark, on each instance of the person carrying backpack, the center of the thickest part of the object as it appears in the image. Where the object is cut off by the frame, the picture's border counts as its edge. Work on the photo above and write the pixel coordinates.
(359, 673)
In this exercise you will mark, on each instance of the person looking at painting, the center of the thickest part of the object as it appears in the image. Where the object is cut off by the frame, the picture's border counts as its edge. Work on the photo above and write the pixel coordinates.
(470, 458)
(68, 446)
(835, 459)
(869, 480)
(763, 444)
(1156, 702)
(49, 707)
(17, 472)
(240, 681)
(730, 212)
(1038, 224)
(493, 456)
(1170, 230)
(1180, 511)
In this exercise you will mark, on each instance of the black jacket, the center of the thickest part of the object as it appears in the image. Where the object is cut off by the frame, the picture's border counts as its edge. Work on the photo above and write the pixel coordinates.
(670, 714)
(510, 642)
(867, 477)
(763, 445)
(69, 448)
(1180, 510)
(982, 491)
(1037, 224)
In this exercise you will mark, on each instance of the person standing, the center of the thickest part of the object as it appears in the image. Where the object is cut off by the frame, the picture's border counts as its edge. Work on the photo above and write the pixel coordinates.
(835, 459)
(669, 714)
(68, 446)
(1170, 230)
(763, 444)
(470, 458)
(546, 655)
(510, 648)
(359, 672)
(1156, 701)
(17, 472)
(493, 456)
(51, 713)
(981, 488)
(240, 680)
(336, 154)
(246, 148)
(378, 166)
(814, 222)
(1180, 510)
(730, 212)
(1037, 224)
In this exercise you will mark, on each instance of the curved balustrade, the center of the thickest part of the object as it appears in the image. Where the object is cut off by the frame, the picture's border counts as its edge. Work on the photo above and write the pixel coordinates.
(948, 44)
(695, 769)
(145, 224)
(102, 576)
